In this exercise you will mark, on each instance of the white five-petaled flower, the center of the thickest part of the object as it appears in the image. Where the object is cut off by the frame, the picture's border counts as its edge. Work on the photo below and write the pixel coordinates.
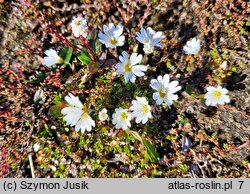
(128, 67)
(79, 26)
(76, 114)
(165, 90)
(192, 46)
(112, 36)
(149, 38)
(216, 96)
(141, 110)
(52, 58)
(121, 118)
(103, 116)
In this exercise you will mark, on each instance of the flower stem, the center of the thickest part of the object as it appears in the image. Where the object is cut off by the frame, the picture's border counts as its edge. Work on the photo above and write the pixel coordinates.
(145, 59)
(62, 39)
(85, 43)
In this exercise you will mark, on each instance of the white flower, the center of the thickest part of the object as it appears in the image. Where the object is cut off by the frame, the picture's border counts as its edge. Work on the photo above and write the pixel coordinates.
(76, 114)
(141, 110)
(112, 36)
(165, 89)
(128, 67)
(192, 46)
(216, 96)
(121, 118)
(103, 116)
(79, 26)
(52, 58)
(39, 97)
(149, 38)
(36, 147)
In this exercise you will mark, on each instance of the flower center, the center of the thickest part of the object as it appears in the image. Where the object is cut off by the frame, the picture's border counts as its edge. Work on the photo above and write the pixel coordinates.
(217, 94)
(78, 22)
(124, 116)
(162, 93)
(127, 67)
(103, 115)
(148, 48)
(146, 40)
(145, 108)
(113, 41)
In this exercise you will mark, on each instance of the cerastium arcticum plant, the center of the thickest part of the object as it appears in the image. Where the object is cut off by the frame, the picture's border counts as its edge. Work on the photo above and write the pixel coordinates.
(129, 64)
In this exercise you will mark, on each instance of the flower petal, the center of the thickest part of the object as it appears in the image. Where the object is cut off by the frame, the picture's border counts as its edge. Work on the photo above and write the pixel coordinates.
(135, 59)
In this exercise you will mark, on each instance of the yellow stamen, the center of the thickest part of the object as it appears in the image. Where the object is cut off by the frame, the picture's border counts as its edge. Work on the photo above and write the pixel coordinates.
(127, 67)
(78, 22)
(113, 41)
(162, 93)
(124, 116)
(217, 94)
(145, 108)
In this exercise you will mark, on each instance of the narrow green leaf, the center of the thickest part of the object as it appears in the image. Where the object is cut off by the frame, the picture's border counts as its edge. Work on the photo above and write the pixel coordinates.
(136, 135)
(189, 89)
(66, 54)
(83, 57)
(98, 46)
(153, 155)
(94, 42)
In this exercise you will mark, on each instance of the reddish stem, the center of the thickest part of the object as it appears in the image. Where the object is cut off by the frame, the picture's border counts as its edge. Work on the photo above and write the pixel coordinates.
(85, 43)
(62, 39)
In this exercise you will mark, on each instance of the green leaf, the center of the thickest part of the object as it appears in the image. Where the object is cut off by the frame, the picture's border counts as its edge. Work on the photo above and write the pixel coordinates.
(66, 54)
(55, 110)
(168, 64)
(183, 168)
(171, 137)
(94, 41)
(98, 46)
(248, 22)
(153, 155)
(214, 53)
(45, 132)
(40, 77)
(57, 99)
(19, 22)
(83, 57)
(189, 89)
(136, 135)
(200, 96)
